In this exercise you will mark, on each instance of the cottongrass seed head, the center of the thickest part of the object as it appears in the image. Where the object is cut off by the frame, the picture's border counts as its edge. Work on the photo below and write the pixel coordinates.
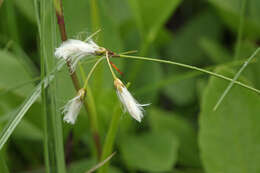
(74, 50)
(72, 108)
(130, 104)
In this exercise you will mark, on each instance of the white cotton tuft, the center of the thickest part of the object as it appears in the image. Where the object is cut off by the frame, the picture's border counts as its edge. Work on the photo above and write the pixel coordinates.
(130, 104)
(72, 108)
(74, 50)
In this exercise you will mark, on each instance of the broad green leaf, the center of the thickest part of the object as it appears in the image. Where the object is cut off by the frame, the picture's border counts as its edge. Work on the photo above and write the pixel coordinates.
(185, 44)
(151, 15)
(185, 47)
(229, 137)
(145, 79)
(20, 112)
(120, 12)
(111, 30)
(215, 50)
(17, 116)
(30, 127)
(182, 92)
(3, 164)
(152, 152)
(83, 20)
(13, 73)
(79, 22)
(163, 122)
(76, 20)
(230, 11)
(26, 8)
(187, 170)
(27, 130)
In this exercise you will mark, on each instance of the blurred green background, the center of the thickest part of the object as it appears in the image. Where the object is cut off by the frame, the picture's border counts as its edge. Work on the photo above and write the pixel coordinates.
(179, 133)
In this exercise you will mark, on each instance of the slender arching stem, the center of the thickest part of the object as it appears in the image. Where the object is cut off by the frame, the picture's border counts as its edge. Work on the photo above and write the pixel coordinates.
(110, 67)
(91, 72)
(193, 68)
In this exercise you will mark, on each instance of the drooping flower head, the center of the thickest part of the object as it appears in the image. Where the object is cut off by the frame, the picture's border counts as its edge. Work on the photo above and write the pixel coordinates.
(74, 50)
(72, 108)
(134, 108)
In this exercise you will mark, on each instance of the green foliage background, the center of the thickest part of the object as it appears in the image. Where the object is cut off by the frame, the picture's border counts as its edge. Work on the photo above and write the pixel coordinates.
(180, 132)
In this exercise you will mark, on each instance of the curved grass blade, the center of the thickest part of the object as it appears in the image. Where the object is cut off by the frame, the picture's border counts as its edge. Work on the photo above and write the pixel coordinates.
(101, 163)
(3, 165)
(19, 85)
(19, 114)
(9, 128)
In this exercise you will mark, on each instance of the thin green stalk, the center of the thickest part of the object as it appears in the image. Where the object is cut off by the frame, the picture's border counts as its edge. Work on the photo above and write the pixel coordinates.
(92, 35)
(179, 77)
(90, 61)
(18, 86)
(240, 29)
(235, 78)
(92, 111)
(95, 19)
(110, 138)
(47, 159)
(193, 68)
(128, 52)
(37, 16)
(91, 107)
(237, 54)
(108, 62)
(91, 72)
(96, 24)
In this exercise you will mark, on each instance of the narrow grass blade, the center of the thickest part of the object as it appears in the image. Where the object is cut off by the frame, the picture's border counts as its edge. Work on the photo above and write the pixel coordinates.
(53, 132)
(21, 55)
(3, 165)
(101, 163)
(18, 115)
(234, 79)
(19, 85)
(21, 111)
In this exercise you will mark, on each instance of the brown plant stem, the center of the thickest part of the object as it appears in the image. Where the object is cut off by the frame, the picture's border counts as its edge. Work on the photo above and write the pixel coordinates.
(73, 75)
(69, 148)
